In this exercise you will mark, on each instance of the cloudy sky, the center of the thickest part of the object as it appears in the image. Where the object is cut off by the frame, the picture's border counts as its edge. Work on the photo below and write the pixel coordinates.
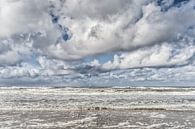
(97, 42)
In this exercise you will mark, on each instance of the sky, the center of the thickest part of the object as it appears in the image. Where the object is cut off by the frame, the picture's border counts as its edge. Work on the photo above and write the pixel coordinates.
(97, 42)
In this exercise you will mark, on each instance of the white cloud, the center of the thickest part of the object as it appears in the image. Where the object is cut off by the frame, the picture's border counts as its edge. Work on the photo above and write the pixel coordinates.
(97, 26)
(23, 16)
(12, 52)
(9, 58)
(158, 56)
(138, 32)
(118, 31)
(44, 67)
(25, 26)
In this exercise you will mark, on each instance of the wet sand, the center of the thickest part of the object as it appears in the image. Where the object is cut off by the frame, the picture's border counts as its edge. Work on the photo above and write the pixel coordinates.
(99, 108)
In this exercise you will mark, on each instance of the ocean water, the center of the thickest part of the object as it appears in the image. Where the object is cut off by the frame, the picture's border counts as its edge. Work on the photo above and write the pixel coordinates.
(97, 108)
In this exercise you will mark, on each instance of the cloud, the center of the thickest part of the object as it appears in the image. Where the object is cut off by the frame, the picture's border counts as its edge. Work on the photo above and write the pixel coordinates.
(44, 67)
(157, 56)
(22, 16)
(12, 53)
(65, 39)
(95, 32)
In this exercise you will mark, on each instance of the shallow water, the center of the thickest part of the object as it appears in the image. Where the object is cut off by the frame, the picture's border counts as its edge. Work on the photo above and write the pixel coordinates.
(100, 108)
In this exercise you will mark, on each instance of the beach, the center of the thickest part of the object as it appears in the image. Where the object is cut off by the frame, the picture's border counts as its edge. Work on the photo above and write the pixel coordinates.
(97, 108)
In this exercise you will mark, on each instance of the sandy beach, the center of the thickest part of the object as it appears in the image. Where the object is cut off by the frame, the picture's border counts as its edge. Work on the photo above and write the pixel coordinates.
(97, 108)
